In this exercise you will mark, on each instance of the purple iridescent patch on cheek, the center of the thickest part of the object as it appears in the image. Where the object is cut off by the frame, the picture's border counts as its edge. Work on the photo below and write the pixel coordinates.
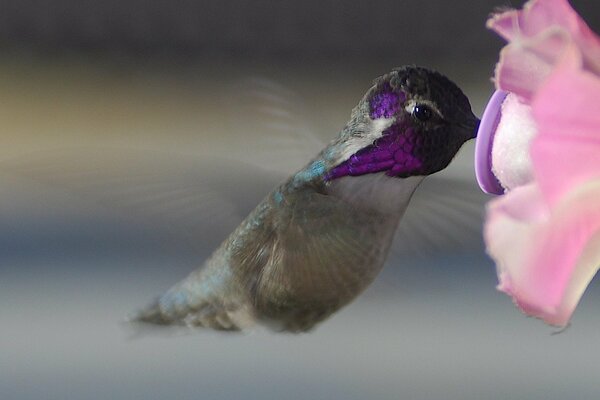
(393, 153)
(386, 103)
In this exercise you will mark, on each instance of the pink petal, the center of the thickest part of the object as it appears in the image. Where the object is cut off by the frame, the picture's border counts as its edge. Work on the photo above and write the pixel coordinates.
(538, 36)
(566, 151)
(524, 66)
(545, 258)
(538, 15)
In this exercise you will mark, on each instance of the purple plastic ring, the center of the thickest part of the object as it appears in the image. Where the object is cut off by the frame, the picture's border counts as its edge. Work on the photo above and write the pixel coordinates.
(483, 144)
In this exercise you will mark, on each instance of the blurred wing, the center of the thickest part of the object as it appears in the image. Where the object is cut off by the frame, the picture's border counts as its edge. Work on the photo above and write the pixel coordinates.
(445, 215)
(192, 188)
(189, 197)
(276, 124)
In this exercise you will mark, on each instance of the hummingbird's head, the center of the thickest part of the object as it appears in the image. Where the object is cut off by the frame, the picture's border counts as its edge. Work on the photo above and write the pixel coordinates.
(411, 122)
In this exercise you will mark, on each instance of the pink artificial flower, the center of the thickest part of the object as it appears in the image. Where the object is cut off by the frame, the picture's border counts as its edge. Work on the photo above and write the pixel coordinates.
(544, 232)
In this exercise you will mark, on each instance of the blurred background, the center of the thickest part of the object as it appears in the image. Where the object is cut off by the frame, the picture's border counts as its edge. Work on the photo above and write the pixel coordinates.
(136, 134)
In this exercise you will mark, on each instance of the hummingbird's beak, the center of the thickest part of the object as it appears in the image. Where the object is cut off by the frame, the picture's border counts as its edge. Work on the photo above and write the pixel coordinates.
(475, 127)
(471, 127)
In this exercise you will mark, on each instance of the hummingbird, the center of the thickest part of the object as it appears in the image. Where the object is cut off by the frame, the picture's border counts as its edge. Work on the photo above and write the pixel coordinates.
(320, 238)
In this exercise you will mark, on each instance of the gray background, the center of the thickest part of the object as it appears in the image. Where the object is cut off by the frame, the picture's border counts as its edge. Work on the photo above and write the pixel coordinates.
(107, 106)
(329, 29)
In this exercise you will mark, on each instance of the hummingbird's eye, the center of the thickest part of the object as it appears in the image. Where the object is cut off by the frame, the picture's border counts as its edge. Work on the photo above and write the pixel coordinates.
(422, 112)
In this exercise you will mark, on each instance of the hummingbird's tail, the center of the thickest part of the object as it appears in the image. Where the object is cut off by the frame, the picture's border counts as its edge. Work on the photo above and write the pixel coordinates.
(173, 309)
(153, 315)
